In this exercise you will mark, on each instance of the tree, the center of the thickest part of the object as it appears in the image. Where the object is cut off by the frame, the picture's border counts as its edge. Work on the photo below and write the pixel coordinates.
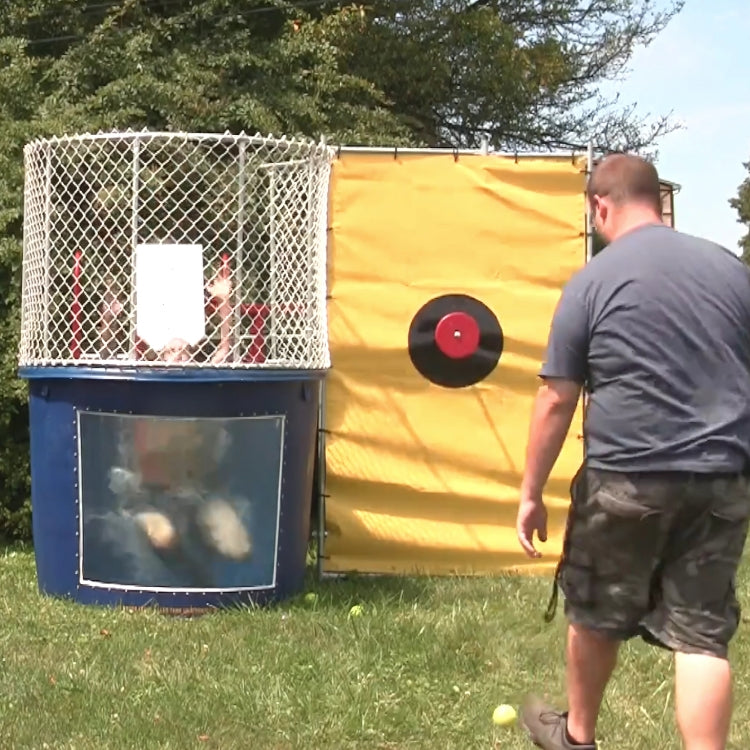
(522, 73)
(429, 72)
(17, 96)
(741, 204)
(214, 65)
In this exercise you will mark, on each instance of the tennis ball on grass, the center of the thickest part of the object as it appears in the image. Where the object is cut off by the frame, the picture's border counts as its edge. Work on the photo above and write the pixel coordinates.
(504, 715)
(356, 611)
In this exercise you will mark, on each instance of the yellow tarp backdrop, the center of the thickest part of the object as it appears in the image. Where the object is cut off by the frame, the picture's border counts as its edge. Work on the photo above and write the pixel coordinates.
(424, 479)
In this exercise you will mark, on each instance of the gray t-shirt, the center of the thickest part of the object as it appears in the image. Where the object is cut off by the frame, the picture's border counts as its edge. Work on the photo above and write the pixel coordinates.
(657, 328)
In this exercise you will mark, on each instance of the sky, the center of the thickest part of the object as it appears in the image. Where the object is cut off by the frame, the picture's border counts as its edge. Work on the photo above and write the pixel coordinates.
(698, 68)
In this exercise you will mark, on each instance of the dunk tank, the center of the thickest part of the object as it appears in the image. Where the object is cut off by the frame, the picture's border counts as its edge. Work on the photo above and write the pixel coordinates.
(174, 340)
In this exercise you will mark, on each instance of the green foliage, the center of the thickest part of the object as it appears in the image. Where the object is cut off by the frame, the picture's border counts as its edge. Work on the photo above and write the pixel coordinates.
(520, 72)
(741, 204)
(399, 72)
(17, 90)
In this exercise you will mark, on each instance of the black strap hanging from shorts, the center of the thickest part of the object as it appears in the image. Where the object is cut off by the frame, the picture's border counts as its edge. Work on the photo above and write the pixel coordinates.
(576, 485)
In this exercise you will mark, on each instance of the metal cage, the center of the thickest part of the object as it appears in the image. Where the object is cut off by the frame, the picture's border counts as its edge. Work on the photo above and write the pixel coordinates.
(250, 210)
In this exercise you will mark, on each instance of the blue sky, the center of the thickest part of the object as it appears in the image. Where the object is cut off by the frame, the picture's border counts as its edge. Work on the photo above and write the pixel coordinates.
(699, 68)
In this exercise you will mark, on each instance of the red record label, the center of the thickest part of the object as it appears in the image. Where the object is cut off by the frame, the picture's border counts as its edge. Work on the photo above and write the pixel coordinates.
(455, 341)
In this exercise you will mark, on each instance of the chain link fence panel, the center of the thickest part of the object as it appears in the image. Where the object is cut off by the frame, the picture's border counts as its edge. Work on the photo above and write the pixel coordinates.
(253, 209)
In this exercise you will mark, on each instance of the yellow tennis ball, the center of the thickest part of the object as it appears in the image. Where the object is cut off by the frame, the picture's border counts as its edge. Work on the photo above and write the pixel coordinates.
(504, 715)
(356, 611)
(311, 597)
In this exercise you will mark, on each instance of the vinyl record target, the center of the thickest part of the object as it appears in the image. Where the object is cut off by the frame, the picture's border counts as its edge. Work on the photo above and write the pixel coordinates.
(455, 341)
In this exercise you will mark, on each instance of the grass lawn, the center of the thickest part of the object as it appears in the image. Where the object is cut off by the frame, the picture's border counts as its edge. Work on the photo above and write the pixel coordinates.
(423, 667)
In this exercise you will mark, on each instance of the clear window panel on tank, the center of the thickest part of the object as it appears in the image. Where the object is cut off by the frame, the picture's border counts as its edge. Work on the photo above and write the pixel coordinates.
(179, 503)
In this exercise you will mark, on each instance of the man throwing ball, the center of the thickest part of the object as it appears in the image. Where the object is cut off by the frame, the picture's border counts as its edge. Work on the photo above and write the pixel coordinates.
(656, 328)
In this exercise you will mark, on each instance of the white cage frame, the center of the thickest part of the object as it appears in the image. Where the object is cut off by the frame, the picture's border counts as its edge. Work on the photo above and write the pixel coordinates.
(257, 206)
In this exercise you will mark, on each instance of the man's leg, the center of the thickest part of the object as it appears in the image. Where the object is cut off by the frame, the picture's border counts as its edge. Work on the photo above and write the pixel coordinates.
(703, 693)
(616, 534)
(698, 613)
(591, 661)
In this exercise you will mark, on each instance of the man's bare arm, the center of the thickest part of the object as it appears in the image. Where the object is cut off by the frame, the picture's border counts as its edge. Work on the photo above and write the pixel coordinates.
(221, 289)
(553, 412)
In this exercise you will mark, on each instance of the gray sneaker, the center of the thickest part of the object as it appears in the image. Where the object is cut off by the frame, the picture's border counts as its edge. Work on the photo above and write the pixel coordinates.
(546, 726)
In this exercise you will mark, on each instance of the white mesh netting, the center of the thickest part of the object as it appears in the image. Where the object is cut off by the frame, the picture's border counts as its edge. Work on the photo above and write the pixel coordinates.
(167, 249)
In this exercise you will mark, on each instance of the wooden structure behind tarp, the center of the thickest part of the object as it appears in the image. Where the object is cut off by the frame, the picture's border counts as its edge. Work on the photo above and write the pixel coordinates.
(668, 190)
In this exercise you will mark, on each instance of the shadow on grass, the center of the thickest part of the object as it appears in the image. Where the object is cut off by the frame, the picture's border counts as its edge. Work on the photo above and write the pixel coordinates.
(8, 545)
(364, 587)
(333, 592)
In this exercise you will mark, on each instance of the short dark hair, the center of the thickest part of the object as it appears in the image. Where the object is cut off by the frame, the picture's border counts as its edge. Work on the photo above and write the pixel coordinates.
(626, 178)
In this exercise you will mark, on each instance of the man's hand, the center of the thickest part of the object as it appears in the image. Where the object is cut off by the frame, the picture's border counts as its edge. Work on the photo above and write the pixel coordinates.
(532, 518)
(553, 411)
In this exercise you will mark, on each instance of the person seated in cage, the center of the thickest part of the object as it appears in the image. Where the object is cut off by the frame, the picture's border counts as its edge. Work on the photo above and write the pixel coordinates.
(179, 350)
(170, 481)
(168, 516)
(172, 514)
(113, 320)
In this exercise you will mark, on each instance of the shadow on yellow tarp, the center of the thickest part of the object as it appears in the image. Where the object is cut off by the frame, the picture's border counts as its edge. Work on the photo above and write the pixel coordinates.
(424, 479)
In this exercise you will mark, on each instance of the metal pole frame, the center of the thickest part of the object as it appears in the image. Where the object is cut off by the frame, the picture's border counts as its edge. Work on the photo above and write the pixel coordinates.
(320, 530)
(239, 260)
(311, 241)
(589, 254)
(321, 445)
(134, 243)
(47, 248)
(321, 464)
(273, 302)
(398, 150)
(588, 218)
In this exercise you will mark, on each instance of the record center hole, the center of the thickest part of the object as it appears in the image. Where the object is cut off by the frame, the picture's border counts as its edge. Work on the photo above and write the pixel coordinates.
(457, 335)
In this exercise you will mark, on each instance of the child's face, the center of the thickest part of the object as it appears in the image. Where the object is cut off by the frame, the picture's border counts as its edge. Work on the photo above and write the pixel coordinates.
(177, 350)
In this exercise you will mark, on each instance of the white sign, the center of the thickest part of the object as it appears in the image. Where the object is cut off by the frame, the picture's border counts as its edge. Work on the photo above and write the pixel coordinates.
(169, 294)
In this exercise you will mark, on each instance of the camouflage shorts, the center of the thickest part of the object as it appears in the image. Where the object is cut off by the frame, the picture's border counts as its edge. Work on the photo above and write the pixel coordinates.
(656, 555)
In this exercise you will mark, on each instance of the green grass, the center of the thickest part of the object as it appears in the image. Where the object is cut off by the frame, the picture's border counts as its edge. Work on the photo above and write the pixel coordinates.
(423, 667)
